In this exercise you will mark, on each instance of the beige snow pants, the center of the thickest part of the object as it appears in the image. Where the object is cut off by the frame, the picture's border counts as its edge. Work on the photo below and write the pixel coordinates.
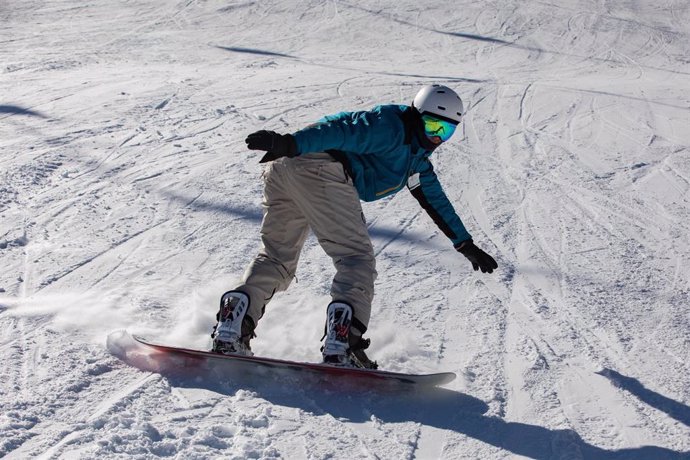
(312, 192)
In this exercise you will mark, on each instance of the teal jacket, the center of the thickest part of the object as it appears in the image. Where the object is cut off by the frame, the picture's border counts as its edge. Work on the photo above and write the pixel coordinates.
(382, 152)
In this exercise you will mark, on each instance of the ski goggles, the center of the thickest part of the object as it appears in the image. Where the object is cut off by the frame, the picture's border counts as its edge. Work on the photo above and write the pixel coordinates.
(434, 127)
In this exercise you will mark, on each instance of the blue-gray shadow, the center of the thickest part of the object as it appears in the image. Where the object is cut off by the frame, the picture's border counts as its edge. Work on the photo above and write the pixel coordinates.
(498, 41)
(482, 38)
(255, 215)
(465, 35)
(358, 402)
(332, 66)
(674, 409)
(16, 110)
(236, 49)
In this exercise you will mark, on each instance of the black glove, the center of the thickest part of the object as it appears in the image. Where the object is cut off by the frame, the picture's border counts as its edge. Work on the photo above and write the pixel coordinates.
(276, 145)
(479, 258)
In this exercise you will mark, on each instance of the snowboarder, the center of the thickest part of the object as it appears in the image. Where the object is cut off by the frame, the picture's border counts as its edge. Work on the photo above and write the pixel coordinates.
(315, 180)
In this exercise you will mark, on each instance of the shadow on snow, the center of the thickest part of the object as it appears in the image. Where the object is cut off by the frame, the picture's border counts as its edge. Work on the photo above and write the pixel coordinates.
(236, 49)
(435, 407)
(673, 408)
(333, 66)
(498, 41)
(16, 110)
(361, 402)
(255, 215)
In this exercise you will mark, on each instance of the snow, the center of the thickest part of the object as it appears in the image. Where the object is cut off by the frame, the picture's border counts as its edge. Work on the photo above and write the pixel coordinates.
(128, 202)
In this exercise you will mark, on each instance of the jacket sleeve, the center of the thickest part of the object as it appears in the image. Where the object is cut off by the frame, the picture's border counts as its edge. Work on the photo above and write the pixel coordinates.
(357, 132)
(426, 188)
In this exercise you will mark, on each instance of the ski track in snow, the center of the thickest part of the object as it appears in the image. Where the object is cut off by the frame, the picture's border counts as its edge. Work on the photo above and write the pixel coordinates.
(128, 201)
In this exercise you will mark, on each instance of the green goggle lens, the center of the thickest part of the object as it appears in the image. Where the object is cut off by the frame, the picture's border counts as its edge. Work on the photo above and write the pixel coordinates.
(433, 127)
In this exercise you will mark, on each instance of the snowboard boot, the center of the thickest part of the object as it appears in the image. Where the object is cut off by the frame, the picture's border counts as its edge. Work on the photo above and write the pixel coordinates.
(235, 329)
(342, 347)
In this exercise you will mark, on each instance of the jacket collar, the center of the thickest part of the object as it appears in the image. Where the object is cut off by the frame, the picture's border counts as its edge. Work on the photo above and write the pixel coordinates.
(414, 131)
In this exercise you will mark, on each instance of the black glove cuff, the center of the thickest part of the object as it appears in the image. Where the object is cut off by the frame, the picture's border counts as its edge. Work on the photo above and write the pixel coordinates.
(464, 245)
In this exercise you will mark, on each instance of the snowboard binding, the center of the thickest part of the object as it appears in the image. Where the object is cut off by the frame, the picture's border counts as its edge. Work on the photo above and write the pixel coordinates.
(341, 346)
(235, 329)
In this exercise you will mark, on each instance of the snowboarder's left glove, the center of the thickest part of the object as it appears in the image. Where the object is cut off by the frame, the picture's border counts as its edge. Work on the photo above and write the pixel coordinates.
(276, 145)
(479, 258)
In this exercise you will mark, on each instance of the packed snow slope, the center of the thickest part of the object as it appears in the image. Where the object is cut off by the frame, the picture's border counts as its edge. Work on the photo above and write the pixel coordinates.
(128, 201)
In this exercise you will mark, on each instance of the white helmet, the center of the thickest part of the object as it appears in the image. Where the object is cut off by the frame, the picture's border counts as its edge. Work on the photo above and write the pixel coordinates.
(440, 101)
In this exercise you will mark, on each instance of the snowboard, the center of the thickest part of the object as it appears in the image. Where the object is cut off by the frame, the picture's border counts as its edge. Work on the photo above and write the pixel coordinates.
(257, 364)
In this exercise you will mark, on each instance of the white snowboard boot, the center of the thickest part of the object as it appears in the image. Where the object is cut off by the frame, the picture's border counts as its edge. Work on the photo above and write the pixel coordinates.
(344, 346)
(234, 329)
(336, 347)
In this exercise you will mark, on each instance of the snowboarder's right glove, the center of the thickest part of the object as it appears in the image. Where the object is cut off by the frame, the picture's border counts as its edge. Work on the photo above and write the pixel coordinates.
(479, 258)
(276, 145)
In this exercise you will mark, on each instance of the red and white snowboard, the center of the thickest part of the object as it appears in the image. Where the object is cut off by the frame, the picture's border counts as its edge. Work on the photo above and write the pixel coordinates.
(189, 358)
